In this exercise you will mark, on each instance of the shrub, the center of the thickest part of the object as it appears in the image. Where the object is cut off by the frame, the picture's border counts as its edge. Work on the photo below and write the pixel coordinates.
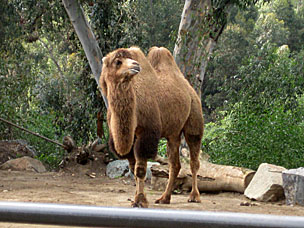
(275, 137)
(265, 124)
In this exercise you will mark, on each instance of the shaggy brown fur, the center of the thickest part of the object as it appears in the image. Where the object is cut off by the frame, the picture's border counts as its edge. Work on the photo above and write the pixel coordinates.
(145, 104)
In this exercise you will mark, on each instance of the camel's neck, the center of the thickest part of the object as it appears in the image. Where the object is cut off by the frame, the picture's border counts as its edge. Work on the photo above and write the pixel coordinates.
(122, 105)
(121, 96)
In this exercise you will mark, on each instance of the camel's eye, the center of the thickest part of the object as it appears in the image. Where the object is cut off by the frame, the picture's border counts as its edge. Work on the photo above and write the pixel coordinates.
(118, 63)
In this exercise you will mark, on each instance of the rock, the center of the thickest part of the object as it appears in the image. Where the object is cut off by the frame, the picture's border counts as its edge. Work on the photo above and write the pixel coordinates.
(117, 168)
(267, 184)
(120, 168)
(185, 152)
(24, 164)
(149, 173)
(293, 184)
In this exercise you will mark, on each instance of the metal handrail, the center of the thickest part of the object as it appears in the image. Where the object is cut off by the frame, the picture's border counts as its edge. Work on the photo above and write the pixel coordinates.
(93, 216)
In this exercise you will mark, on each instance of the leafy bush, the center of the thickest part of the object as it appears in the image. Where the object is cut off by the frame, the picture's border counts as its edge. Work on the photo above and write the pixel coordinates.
(43, 124)
(275, 137)
(162, 148)
(265, 124)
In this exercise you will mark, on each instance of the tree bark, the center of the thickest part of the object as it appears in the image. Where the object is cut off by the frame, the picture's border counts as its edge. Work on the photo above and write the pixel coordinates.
(87, 38)
(198, 32)
(211, 178)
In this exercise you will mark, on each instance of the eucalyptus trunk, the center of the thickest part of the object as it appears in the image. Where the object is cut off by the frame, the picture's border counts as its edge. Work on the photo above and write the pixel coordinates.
(198, 32)
(87, 38)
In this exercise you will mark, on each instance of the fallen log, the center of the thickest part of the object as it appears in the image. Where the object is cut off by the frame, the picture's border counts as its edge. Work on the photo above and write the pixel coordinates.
(211, 178)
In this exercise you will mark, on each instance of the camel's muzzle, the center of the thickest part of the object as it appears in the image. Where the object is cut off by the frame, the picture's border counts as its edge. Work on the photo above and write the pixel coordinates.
(135, 68)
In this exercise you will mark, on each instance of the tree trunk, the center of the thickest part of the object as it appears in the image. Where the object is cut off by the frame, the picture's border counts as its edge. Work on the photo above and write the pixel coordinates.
(86, 37)
(211, 178)
(198, 32)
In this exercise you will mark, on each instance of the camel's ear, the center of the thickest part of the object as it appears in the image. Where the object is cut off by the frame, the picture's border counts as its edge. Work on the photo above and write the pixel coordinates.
(104, 59)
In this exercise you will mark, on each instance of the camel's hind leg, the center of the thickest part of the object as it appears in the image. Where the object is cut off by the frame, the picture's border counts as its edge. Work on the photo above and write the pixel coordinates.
(174, 168)
(194, 143)
(193, 131)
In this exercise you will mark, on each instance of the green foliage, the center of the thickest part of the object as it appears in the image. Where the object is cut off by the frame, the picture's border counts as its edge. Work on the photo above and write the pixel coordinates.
(264, 123)
(253, 88)
(266, 78)
(274, 137)
(158, 22)
(162, 147)
(42, 124)
(141, 23)
(46, 83)
(248, 32)
(292, 14)
(44, 78)
(114, 23)
(253, 85)
(270, 29)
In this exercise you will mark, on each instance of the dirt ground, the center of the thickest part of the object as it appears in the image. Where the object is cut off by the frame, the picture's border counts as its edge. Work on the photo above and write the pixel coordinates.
(88, 185)
(99, 190)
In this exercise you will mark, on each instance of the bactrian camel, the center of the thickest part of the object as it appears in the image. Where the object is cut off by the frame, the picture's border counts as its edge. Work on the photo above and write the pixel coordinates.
(149, 99)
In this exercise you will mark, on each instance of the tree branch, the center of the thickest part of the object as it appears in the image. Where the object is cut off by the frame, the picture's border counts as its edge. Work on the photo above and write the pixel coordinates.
(33, 133)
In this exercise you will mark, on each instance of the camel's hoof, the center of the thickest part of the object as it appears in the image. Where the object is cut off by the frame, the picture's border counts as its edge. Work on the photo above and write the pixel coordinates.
(162, 201)
(139, 205)
(194, 200)
(194, 197)
(140, 201)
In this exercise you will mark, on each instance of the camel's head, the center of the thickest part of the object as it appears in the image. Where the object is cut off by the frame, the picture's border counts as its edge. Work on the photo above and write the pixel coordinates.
(118, 66)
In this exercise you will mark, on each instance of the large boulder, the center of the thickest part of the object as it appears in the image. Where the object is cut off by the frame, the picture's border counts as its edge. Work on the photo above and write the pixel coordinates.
(293, 184)
(117, 168)
(24, 164)
(120, 168)
(267, 184)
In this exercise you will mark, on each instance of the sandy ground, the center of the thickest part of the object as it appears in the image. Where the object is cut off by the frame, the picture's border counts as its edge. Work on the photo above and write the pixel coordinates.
(71, 188)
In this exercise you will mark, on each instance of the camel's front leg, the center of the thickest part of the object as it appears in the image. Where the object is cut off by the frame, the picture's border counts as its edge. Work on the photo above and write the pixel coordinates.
(145, 147)
(140, 174)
